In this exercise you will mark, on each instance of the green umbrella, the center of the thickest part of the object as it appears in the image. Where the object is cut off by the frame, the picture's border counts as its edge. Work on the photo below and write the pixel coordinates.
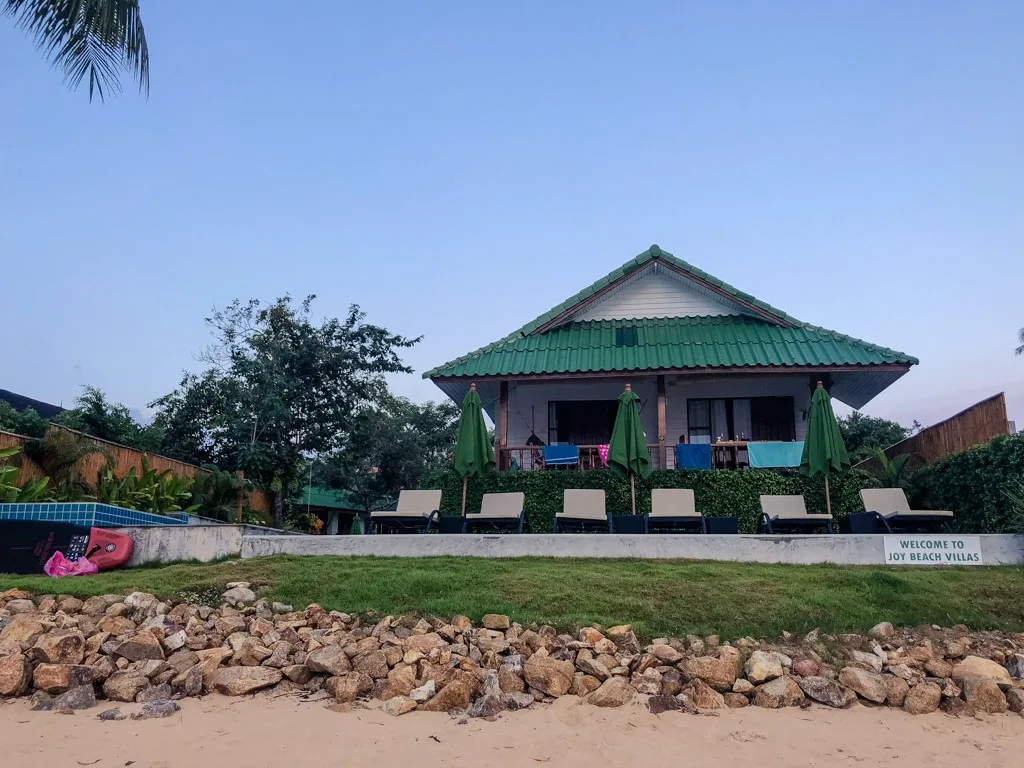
(474, 454)
(627, 451)
(824, 452)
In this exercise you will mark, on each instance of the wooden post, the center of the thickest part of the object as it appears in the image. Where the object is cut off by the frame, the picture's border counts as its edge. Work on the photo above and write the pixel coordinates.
(240, 500)
(662, 424)
(501, 427)
(828, 497)
(632, 490)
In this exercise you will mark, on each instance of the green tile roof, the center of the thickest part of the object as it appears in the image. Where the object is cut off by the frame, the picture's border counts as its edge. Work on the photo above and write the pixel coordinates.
(724, 341)
(325, 497)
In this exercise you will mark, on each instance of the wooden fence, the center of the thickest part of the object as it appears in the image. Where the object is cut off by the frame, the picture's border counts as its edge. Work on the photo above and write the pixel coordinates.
(123, 459)
(973, 426)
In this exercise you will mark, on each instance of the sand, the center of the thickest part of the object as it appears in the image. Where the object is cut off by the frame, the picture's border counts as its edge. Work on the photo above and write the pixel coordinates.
(285, 732)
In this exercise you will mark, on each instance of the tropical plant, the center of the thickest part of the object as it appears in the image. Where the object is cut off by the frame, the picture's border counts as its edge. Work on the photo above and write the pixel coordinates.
(1015, 494)
(216, 493)
(10, 491)
(88, 39)
(1020, 338)
(147, 491)
(57, 453)
(891, 473)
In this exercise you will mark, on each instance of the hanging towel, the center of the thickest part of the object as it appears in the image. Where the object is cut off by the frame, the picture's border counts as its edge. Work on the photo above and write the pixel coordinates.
(775, 454)
(602, 452)
(562, 455)
(693, 456)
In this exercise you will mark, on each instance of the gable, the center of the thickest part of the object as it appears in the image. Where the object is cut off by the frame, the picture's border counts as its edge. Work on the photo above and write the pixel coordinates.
(656, 292)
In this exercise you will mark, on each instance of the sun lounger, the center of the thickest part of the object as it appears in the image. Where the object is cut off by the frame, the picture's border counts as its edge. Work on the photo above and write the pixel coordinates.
(789, 513)
(675, 509)
(893, 510)
(499, 510)
(415, 512)
(582, 509)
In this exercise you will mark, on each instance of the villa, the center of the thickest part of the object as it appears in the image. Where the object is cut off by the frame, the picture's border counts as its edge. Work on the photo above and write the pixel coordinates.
(711, 365)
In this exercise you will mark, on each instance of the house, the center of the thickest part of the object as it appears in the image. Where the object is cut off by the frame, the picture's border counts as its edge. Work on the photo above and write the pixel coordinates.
(710, 363)
(334, 508)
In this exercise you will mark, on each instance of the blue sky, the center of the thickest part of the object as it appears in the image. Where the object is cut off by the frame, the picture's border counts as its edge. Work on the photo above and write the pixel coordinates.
(458, 168)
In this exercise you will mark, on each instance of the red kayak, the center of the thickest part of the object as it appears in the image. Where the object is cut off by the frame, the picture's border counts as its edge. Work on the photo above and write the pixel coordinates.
(26, 545)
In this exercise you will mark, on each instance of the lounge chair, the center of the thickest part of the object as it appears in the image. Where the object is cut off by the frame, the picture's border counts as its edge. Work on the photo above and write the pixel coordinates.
(789, 513)
(892, 509)
(674, 509)
(499, 510)
(415, 512)
(582, 509)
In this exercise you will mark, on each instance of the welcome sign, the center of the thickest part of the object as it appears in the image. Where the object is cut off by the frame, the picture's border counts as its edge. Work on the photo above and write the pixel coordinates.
(932, 550)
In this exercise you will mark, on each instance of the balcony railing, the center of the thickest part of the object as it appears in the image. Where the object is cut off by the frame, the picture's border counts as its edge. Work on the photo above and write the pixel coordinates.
(724, 455)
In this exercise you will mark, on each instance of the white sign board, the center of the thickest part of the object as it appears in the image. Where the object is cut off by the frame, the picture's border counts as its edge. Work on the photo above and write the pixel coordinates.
(932, 550)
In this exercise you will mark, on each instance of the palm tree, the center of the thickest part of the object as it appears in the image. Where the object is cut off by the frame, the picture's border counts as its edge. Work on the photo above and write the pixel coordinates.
(94, 39)
(1020, 338)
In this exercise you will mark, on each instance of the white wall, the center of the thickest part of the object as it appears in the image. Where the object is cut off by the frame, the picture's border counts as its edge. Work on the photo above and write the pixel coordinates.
(656, 295)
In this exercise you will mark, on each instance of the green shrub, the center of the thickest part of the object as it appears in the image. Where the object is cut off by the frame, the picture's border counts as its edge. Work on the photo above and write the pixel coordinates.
(974, 484)
(720, 492)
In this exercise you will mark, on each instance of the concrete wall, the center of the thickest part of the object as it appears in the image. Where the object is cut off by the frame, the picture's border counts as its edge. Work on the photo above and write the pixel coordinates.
(169, 544)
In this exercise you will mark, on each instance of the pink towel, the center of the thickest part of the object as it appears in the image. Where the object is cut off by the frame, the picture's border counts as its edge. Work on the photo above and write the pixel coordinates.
(58, 566)
(602, 451)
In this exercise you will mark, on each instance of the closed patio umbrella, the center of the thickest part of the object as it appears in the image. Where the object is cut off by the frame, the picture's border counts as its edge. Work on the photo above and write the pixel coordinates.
(474, 454)
(824, 451)
(627, 451)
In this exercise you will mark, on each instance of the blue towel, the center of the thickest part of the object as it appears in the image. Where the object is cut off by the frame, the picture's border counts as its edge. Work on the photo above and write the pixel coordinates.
(775, 454)
(559, 455)
(693, 456)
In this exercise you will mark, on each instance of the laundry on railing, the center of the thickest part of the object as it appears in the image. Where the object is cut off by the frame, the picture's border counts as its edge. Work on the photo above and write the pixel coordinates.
(561, 455)
(764, 455)
(602, 452)
(693, 456)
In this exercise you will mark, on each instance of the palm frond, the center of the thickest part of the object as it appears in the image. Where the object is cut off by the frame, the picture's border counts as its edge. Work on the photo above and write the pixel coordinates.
(1020, 338)
(88, 39)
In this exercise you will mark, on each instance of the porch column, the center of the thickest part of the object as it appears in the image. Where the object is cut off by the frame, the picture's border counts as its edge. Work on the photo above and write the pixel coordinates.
(662, 425)
(501, 427)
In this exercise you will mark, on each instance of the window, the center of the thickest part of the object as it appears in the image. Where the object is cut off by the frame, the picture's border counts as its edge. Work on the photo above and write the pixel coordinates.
(581, 422)
(755, 418)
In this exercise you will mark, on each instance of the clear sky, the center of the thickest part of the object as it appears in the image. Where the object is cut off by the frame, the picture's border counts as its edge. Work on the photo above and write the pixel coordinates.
(457, 168)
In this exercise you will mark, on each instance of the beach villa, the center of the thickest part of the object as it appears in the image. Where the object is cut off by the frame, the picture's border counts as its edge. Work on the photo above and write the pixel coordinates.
(710, 363)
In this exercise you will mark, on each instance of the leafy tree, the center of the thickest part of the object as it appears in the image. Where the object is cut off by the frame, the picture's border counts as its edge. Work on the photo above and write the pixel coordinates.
(1020, 338)
(95, 415)
(88, 39)
(26, 422)
(867, 434)
(394, 443)
(281, 389)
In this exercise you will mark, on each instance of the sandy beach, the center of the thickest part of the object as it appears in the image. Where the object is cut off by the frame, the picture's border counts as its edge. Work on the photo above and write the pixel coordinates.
(265, 731)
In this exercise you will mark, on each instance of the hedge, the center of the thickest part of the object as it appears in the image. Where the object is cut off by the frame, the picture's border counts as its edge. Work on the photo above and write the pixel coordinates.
(973, 483)
(719, 492)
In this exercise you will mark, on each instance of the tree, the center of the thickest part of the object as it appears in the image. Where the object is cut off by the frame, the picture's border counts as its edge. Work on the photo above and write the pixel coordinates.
(280, 390)
(94, 415)
(88, 39)
(866, 434)
(26, 422)
(394, 443)
(1020, 338)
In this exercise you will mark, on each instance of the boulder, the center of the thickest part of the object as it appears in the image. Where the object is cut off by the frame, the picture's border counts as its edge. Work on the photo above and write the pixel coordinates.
(15, 675)
(140, 646)
(778, 693)
(762, 667)
(869, 661)
(23, 630)
(154, 693)
(239, 681)
(424, 693)
(703, 695)
(1015, 700)
(518, 700)
(57, 678)
(614, 692)
(189, 682)
(806, 668)
(659, 704)
(61, 646)
(398, 705)
(827, 691)
(457, 694)
(594, 668)
(347, 688)
(297, 673)
(866, 684)
(398, 683)
(975, 666)
(239, 595)
(116, 625)
(496, 621)
(922, 699)
(79, 697)
(984, 695)
(330, 660)
(882, 631)
(666, 654)
(427, 642)
(938, 668)
(549, 675)
(124, 686)
(719, 673)
(373, 664)
(584, 685)
(736, 700)
(510, 680)
(896, 690)
(487, 706)
(20, 606)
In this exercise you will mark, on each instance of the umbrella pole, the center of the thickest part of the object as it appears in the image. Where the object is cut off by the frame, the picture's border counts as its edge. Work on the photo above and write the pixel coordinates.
(828, 498)
(632, 490)
(464, 478)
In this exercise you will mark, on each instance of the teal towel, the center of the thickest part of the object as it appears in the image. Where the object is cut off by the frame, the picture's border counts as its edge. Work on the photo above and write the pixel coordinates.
(775, 454)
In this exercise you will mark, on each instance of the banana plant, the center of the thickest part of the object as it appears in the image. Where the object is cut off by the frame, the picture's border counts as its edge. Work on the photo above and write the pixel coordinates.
(10, 491)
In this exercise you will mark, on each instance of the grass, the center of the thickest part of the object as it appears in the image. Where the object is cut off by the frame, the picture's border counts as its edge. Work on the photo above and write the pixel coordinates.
(659, 598)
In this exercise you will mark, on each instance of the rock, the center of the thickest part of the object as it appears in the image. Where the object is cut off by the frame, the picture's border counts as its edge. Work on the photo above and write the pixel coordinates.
(975, 666)
(154, 693)
(156, 709)
(111, 714)
(549, 675)
(79, 697)
(719, 673)
(398, 705)
(882, 630)
(424, 693)
(1015, 700)
(736, 700)
(984, 695)
(496, 621)
(922, 699)
(297, 673)
(762, 667)
(239, 681)
(826, 691)
(659, 704)
(938, 668)
(778, 693)
(141, 646)
(400, 682)
(115, 625)
(510, 680)
(806, 668)
(175, 641)
(742, 685)
(703, 695)
(374, 664)
(15, 675)
(955, 649)
(896, 690)
(41, 701)
(487, 706)
(457, 694)
(866, 684)
(614, 692)
(330, 660)
(57, 678)
(868, 661)
(347, 688)
(21, 606)
(124, 686)
(518, 700)
(593, 668)
(189, 682)
(666, 654)
(239, 595)
(23, 630)
(429, 641)
(584, 685)
(61, 646)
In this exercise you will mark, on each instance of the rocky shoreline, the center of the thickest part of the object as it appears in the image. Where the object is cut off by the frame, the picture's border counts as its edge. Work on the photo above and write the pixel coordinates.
(69, 654)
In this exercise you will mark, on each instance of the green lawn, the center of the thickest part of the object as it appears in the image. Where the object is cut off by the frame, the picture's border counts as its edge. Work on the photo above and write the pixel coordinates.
(658, 597)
